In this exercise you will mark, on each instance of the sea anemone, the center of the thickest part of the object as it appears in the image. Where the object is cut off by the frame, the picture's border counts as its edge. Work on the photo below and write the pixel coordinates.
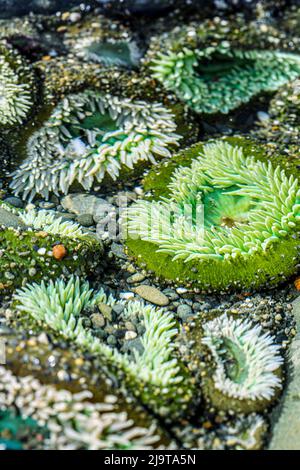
(213, 71)
(103, 41)
(228, 220)
(109, 53)
(16, 87)
(247, 363)
(71, 421)
(89, 136)
(154, 373)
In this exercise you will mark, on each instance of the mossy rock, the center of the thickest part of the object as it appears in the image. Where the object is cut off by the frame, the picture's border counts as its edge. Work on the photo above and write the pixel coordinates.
(28, 256)
(268, 265)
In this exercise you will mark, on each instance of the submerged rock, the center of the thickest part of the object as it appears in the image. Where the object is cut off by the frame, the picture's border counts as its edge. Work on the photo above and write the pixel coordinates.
(9, 8)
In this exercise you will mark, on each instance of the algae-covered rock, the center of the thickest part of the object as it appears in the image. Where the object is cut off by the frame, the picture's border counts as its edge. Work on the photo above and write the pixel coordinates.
(37, 246)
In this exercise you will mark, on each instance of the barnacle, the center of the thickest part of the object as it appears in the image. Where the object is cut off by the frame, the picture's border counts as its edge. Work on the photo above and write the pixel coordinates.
(70, 419)
(228, 220)
(16, 87)
(155, 375)
(215, 72)
(247, 363)
(89, 136)
(27, 248)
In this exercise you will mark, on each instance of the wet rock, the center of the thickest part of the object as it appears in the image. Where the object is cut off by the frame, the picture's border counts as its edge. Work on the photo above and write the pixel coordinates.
(10, 220)
(14, 201)
(286, 429)
(81, 203)
(98, 320)
(133, 344)
(118, 251)
(151, 294)
(184, 311)
(118, 309)
(129, 335)
(138, 277)
(86, 220)
(106, 311)
(9, 8)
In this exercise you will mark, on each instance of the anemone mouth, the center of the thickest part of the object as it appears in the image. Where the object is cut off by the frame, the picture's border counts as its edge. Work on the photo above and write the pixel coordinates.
(224, 211)
(217, 79)
(233, 360)
(221, 65)
(89, 136)
(245, 358)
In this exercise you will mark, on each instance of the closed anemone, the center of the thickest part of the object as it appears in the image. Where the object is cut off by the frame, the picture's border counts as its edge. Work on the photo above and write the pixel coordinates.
(217, 79)
(109, 52)
(16, 85)
(89, 136)
(228, 221)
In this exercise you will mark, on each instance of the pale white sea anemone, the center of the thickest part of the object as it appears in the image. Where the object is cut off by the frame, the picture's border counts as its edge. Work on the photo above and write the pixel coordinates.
(58, 305)
(246, 358)
(15, 93)
(73, 422)
(90, 135)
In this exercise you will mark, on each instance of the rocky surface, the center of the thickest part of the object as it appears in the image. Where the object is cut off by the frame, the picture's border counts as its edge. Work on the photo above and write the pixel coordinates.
(286, 429)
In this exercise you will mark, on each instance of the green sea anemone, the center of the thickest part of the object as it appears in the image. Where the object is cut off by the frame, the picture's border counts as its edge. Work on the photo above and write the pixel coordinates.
(155, 375)
(36, 245)
(16, 87)
(70, 419)
(227, 220)
(213, 69)
(89, 136)
(247, 364)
